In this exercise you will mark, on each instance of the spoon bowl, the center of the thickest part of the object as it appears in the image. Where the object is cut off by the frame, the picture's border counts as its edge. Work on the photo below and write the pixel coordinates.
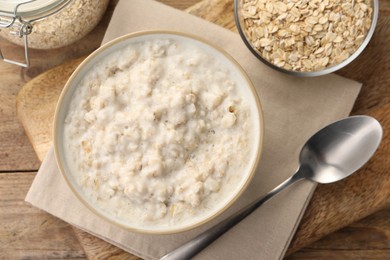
(340, 149)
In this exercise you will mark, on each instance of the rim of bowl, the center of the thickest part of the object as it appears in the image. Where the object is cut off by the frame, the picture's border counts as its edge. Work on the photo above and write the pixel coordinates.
(57, 128)
(237, 18)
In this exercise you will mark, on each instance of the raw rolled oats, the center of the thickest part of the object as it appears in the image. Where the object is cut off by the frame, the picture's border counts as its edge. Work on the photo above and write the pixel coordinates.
(306, 35)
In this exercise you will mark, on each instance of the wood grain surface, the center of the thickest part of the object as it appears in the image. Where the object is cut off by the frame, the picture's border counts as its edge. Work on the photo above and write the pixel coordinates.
(366, 239)
(333, 206)
(27, 232)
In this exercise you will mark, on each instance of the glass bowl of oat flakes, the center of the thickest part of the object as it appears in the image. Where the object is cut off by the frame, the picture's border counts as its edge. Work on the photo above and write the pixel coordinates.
(306, 37)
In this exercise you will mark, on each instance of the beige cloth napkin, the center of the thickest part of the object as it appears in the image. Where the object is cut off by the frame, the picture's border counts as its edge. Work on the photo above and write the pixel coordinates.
(294, 108)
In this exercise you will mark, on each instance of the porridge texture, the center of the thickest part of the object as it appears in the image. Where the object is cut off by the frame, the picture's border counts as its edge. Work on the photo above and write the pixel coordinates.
(158, 133)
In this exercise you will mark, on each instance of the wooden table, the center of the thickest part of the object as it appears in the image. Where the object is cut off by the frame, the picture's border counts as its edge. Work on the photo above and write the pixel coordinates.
(26, 232)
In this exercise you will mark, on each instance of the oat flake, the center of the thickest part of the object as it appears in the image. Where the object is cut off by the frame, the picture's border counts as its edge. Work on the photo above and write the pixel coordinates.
(306, 35)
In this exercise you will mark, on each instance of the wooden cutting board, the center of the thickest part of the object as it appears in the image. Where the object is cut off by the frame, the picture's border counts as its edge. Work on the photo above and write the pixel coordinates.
(332, 207)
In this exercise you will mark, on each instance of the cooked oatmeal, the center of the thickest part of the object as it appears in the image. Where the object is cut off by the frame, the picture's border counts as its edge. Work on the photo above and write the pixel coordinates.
(159, 133)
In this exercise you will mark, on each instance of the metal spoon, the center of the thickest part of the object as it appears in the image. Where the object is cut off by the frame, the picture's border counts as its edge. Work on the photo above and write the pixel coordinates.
(333, 153)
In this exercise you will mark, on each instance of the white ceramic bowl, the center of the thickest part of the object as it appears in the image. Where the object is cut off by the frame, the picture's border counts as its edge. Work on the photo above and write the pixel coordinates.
(117, 44)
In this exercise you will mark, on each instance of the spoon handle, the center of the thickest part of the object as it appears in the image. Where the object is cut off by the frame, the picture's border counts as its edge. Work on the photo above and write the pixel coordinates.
(194, 246)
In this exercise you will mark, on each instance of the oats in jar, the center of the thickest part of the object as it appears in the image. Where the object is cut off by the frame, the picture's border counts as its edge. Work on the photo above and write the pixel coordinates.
(159, 132)
(58, 27)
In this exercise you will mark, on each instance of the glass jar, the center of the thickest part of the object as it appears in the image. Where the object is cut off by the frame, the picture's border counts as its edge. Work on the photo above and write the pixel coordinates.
(48, 24)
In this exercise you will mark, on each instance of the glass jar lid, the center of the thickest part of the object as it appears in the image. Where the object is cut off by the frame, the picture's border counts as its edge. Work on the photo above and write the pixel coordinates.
(31, 9)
